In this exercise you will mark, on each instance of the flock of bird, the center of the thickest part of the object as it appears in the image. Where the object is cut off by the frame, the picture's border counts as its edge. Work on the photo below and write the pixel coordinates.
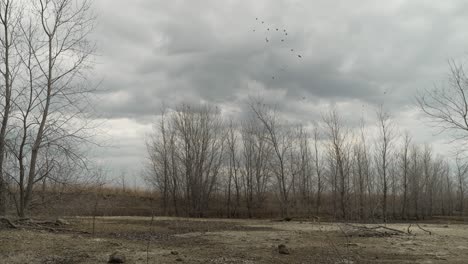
(283, 34)
(274, 34)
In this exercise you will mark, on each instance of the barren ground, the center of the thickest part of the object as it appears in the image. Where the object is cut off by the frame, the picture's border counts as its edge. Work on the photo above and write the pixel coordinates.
(183, 240)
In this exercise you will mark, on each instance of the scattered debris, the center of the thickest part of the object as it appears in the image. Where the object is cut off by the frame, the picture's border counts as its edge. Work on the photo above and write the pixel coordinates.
(282, 249)
(376, 231)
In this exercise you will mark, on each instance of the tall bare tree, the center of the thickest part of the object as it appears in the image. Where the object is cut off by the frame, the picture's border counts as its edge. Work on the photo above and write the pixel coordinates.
(339, 153)
(318, 166)
(256, 169)
(383, 154)
(10, 19)
(281, 140)
(447, 107)
(461, 175)
(405, 166)
(53, 101)
(233, 171)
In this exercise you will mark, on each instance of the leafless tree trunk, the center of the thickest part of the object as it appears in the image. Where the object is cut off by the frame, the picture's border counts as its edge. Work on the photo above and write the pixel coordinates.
(384, 148)
(414, 181)
(256, 155)
(233, 178)
(280, 139)
(361, 165)
(405, 165)
(447, 107)
(55, 57)
(461, 170)
(339, 153)
(304, 170)
(318, 162)
(10, 18)
(202, 140)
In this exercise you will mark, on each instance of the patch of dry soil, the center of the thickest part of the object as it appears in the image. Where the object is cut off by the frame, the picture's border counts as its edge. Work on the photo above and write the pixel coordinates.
(176, 240)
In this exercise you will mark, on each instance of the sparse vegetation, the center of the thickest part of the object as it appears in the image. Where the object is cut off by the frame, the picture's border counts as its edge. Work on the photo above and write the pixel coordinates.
(227, 182)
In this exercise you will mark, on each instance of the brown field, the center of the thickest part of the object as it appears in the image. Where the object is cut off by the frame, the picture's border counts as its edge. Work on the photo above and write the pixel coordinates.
(184, 240)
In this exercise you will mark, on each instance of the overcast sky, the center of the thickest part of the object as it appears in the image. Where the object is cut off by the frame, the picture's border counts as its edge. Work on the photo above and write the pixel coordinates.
(353, 54)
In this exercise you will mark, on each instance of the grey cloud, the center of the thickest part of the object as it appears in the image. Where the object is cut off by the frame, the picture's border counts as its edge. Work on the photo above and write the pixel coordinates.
(360, 54)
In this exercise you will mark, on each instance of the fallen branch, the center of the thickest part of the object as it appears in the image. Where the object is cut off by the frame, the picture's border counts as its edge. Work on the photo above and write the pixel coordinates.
(392, 229)
(427, 231)
(377, 227)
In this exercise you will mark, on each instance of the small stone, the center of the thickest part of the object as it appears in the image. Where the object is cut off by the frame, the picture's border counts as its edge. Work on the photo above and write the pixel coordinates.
(173, 252)
(116, 258)
(282, 249)
(179, 259)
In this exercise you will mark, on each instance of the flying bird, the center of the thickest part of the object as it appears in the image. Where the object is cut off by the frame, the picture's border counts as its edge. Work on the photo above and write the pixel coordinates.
(276, 29)
(299, 56)
(282, 40)
(266, 39)
(292, 49)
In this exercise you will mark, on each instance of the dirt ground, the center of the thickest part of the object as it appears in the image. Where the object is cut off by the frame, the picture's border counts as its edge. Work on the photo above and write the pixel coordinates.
(183, 240)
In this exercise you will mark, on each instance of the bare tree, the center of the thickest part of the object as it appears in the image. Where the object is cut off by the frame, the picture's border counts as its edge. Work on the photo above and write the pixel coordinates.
(201, 136)
(303, 167)
(233, 173)
(158, 149)
(10, 19)
(281, 141)
(415, 178)
(383, 154)
(461, 173)
(427, 180)
(405, 166)
(447, 107)
(339, 153)
(52, 104)
(255, 169)
(318, 165)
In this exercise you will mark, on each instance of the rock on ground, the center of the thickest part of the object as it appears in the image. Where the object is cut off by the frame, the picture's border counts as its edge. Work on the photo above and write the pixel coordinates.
(116, 257)
(282, 249)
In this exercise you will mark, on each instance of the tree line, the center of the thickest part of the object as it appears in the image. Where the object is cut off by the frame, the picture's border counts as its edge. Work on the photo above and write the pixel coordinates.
(197, 158)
